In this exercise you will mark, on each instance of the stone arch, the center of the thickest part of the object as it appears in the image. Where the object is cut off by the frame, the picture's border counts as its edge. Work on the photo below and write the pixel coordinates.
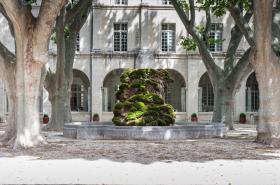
(205, 94)
(252, 93)
(80, 91)
(176, 91)
(110, 86)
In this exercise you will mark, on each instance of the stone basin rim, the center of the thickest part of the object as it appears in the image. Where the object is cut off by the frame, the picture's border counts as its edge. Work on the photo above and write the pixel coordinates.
(90, 124)
(99, 132)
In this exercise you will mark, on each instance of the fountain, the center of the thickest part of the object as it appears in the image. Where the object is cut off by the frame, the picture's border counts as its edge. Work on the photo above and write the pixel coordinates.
(142, 114)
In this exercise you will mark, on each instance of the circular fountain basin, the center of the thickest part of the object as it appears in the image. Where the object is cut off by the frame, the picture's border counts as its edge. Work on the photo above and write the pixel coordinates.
(106, 130)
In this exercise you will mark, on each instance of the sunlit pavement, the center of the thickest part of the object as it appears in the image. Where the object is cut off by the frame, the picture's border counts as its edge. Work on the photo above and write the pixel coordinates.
(31, 170)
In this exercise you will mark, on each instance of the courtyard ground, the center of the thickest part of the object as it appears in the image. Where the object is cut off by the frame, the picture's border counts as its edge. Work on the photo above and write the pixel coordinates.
(237, 159)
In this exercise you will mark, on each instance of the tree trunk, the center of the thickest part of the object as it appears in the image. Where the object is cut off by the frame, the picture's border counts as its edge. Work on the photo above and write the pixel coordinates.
(267, 70)
(59, 87)
(10, 84)
(218, 101)
(61, 109)
(31, 36)
(228, 108)
(223, 106)
(28, 75)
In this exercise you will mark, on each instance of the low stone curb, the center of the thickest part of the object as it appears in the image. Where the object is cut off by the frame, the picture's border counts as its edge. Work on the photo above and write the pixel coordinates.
(80, 130)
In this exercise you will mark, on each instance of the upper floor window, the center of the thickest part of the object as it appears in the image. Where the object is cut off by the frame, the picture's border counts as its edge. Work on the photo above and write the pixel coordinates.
(120, 37)
(166, 1)
(216, 37)
(78, 42)
(168, 37)
(123, 2)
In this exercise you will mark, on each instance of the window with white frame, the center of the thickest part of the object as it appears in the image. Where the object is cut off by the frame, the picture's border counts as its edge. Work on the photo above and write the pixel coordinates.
(166, 2)
(168, 37)
(252, 94)
(77, 97)
(79, 92)
(216, 36)
(78, 42)
(205, 94)
(120, 37)
(121, 2)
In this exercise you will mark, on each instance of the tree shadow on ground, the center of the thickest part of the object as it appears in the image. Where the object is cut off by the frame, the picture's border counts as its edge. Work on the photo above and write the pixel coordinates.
(240, 147)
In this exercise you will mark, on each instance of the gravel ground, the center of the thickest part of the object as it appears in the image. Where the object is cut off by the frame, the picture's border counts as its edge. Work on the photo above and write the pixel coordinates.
(239, 144)
(234, 160)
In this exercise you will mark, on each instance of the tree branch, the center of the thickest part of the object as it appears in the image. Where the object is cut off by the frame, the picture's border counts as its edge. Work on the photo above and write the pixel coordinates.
(78, 8)
(235, 76)
(12, 9)
(49, 10)
(181, 13)
(2, 10)
(203, 49)
(6, 54)
(192, 12)
(236, 36)
(80, 18)
(242, 24)
(207, 25)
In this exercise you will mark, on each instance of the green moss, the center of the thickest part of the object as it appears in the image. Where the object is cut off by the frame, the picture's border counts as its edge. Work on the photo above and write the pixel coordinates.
(141, 106)
(141, 101)
(134, 115)
(118, 121)
(153, 98)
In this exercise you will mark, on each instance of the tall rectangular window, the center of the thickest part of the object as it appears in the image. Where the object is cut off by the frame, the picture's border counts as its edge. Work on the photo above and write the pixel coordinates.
(120, 37)
(78, 42)
(216, 36)
(168, 37)
(122, 2)
(166, 2)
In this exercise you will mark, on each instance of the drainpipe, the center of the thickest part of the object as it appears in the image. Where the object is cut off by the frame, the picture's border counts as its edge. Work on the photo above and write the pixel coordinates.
(137, 52)
(90, 60)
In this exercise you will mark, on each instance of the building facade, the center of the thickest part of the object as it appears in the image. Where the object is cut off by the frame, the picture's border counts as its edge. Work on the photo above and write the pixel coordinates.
(122, 34)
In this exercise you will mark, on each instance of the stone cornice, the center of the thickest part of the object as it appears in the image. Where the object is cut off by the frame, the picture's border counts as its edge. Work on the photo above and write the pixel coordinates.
(134, 7)
(157, 55)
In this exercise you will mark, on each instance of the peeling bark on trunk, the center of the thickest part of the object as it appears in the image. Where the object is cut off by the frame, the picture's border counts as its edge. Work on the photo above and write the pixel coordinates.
(267, 69)
(228, 108)
(223, 106)
(59, 83)
(27, 110)
(60, 101)
(32, 39)
(28, 82)
(59, 87)
(218, 101)
(9, 81)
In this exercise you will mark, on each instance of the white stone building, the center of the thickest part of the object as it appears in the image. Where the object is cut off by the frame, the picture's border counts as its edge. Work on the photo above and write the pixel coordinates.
(121, 34)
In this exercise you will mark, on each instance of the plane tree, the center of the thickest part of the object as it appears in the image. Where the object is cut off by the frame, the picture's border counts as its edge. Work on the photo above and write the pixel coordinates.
(31, 34)
(58, 82)
(226, 80)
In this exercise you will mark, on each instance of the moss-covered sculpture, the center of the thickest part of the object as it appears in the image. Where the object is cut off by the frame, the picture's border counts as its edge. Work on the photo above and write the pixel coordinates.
(141, 100)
